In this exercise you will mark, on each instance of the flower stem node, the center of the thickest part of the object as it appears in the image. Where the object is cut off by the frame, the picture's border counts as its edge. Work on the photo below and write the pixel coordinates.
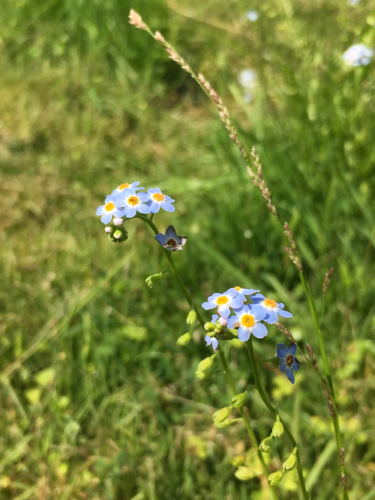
(244, 474)
(278, 428)
(191, 318)
(238, 461)
(220, 415)
(265, 445)
(291, 461)
(153, 279)
(237, 400)
(275, 478)
(184, 339)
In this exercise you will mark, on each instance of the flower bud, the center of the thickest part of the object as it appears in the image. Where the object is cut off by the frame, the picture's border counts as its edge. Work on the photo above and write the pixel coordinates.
(118, 221)
(205, 364)
(152, 280)
(200, 375)
(184, 339)
(191, 317)
(278, 428)
(108, 229)
(275, 478)
(209, 327)
(218, 329)
(223, 321)
(237, 461)
(265, 445)
(291, 461)
(237, 400)
(117, 234)
(221, 415)
(244, 474)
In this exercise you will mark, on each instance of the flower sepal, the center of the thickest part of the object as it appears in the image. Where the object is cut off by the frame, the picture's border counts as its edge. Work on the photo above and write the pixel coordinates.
(117, 234)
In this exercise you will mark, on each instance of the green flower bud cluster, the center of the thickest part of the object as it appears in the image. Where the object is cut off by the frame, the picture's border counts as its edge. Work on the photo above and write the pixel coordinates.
(289, 464)
(238, 400)
(118, 234)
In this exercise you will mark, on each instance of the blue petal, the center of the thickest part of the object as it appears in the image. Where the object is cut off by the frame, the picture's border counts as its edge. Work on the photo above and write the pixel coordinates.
(168, 198)
(236, 302)
(289, 374)
(143, 209)
(258, 298)
(100, 210)
(232, 320)
(248, 291)
(208, 305)
(208, 340)
(292, 348)
(282, 351)
(130, 212)
(118, 213)
(161, 239)
(214, 296)
(143, 196)
(214, 343)
(168, 207)
(153, 190)
(259, 330)
(214, 318)
(243, 333)
(296, 364)
(284, 314)
(224, 310)
(154, 207)
(282, 365)
(257, 311)
(170, 232)
(231, 292)
(271, 317)
(244, 309)
(106, 218)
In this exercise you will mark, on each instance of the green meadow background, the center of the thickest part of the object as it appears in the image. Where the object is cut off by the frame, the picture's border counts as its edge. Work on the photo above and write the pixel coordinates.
(97, 400)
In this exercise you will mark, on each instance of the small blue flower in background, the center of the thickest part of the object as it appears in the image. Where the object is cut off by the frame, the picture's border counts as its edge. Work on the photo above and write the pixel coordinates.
(157, 199)
(212, 341)
(272, 308)
(252, 15)
(247, 78)
(223, 301)
(125, 185)
(132, 202)
(170, 240)
(245, 291)
(109, 209)
(248, 320)
(358, 55)
(287, 360)
(353, 2)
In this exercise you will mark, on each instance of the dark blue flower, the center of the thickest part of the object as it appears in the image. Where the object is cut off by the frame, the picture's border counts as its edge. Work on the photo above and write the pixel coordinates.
(170, 240)
(287, 360)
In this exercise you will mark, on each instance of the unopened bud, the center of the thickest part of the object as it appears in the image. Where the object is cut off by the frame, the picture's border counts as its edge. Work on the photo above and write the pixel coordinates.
(205, 364)
(291, 461)
(184, 339)
(238, 461)
(152, 280)
(237, 400)
(200, 375)
(265, 445)
(278, 428)
(209, 327)
(117, 234)
(108, 229)
(118, 221)
(221, 415)
(223, 321)
(275, 478)
(191, 317)
(227, 423)
(244, 474)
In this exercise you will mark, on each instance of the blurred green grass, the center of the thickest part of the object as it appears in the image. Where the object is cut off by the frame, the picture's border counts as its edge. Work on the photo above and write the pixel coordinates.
(93, 410)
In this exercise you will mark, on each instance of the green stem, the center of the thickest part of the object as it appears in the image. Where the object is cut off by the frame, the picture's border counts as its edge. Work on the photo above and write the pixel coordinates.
(274, 413)
(223, 359)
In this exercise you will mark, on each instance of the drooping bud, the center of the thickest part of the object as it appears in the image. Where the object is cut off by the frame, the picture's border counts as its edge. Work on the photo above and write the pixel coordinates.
(291, 461)
(244, 474)
(153, 279)
(191, 317)
(238, 461)
(221, 415)
(237, 400)
(278, 428)
(265, 445)
(209, 327)
(204, 366)
(275, 478)
(184, 339)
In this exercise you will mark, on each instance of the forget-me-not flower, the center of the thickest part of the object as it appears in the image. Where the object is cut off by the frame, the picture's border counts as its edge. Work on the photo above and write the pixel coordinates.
(132, 202)
(247, 78)
(272, 308)
(170, 240)
(125, 185)
(212, 341)
(287, 360)
(358, 55)
(245, 291)
(223, 301)
(157, 199)
(353, 2)
(252, 15)
(108, 209)
(248, 320)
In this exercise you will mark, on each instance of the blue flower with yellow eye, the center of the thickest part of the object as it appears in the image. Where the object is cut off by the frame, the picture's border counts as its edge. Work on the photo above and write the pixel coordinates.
(288, 362)
(132, 202)
(126, 185)
(157, 199)
(245, 291)
(248, 320)
(108, 210)
(272, 308)
(223, 301)
(170, 241)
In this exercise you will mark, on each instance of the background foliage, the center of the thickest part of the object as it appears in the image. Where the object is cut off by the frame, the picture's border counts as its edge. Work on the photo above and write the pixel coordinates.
(97, 399)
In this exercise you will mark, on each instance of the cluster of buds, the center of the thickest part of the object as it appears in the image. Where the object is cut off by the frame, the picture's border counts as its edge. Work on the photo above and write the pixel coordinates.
(292, 249)
(117, 233)
(256, 176)
(327, 281)
(327, 395)
(312, 357)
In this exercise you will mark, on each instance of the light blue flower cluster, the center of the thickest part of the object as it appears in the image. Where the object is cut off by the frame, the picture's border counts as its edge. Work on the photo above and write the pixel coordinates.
(126, 201)
(358, 55)
(247, 317)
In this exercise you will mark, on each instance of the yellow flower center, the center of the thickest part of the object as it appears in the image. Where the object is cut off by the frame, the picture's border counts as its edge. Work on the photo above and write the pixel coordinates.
(109, 206)
(133, 200)
(248, 320)
(289, 360)
(270, 303)
(158, 197)
(238, 288)
(123, 186)
(220, 301)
